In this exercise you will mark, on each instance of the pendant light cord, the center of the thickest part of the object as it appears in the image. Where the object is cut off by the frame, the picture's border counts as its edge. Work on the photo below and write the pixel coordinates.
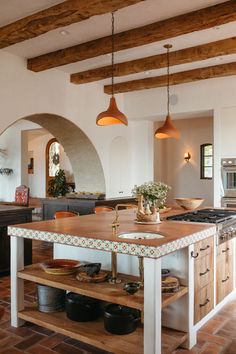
(168, 81)
(112, 53)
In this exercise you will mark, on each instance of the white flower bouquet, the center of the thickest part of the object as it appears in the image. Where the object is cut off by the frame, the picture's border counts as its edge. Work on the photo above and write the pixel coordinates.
(154, 193)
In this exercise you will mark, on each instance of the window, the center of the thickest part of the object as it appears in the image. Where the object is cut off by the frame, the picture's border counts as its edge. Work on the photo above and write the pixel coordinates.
(53, 158)
(206, 161)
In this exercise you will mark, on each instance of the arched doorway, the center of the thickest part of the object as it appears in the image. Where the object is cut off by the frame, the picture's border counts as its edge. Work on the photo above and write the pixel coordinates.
(85, 163)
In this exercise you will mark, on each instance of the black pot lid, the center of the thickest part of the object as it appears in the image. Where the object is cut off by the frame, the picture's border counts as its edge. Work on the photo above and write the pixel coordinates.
(80, 299)
(114, 310)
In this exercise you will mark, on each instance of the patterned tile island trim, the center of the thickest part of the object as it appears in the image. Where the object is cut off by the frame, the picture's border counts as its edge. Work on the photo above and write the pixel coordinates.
(107, 245)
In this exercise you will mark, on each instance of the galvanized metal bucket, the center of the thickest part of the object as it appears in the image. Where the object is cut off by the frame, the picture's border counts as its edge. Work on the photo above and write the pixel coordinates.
(50, 299)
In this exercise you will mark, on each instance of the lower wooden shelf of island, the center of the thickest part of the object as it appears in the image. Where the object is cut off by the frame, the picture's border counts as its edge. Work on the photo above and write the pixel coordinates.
(93, 332)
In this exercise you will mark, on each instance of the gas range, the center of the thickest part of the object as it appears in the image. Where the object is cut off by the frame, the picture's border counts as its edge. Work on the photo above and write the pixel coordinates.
(223, 219)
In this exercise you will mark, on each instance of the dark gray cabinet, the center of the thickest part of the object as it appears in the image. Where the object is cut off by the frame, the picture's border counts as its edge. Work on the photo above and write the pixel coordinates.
(81, 206)
(12, 215)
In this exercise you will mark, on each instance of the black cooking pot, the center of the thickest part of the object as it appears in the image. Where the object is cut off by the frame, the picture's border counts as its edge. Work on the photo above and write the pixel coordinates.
(82, 308)
(120, 319)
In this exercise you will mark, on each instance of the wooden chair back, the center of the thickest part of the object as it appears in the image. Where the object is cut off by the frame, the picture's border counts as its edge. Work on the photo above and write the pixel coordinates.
(130, 206)
(102, 209)
(22, 195)
(64, 214)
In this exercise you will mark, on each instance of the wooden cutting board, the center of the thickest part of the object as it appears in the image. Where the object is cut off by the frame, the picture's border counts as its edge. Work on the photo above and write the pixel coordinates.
(97, 278)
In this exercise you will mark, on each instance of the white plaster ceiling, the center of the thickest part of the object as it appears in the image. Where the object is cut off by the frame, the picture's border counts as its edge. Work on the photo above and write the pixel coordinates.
(146, 12)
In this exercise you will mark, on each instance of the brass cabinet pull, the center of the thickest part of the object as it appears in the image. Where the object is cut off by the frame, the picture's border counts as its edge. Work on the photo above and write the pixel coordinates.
(192, 254)
(207, 270)
(204, 249)
(224, 280)
(205, 303)
(226, 250)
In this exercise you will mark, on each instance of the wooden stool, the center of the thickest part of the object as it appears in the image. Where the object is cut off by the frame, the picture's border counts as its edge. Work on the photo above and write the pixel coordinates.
(64, 214)
(102, 209)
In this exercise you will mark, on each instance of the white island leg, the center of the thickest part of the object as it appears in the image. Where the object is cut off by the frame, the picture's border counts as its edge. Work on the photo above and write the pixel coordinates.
(152, 306)
(17, 285)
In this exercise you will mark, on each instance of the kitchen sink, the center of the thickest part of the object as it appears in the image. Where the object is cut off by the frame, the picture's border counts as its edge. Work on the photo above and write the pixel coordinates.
(140, 235)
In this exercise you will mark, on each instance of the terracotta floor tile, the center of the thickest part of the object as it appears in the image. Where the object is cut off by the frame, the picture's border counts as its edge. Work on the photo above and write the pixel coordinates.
(85, 346)
(38, 349)
(9, 341)
(212, 326)
(231, 349)
(30, 341)
(42, 330)
(10, 350)
(211, 348)
(53, 340)
(206, 337)
(64, 348)
(21, 331)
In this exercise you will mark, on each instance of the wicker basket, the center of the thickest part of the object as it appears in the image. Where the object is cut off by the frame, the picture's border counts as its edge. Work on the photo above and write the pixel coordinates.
(189, 203)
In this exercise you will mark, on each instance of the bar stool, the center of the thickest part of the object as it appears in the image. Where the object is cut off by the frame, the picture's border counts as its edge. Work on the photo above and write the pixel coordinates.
(102, 209)
(64, 214)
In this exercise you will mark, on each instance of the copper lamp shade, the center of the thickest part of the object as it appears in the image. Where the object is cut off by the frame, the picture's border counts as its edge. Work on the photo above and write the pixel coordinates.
(112, 115)
(167, 130)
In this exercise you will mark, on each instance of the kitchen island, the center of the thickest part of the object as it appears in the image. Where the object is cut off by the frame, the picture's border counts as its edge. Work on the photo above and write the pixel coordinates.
(172, 250)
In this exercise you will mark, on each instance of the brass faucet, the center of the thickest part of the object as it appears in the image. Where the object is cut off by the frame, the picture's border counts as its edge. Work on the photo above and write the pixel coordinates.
(114, 225)
(115, 222)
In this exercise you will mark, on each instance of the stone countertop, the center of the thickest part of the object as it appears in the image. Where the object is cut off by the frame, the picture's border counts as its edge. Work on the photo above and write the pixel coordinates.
(95, 232)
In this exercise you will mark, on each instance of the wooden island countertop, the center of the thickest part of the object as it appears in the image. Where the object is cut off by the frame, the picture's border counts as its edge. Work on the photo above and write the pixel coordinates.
(95, 232)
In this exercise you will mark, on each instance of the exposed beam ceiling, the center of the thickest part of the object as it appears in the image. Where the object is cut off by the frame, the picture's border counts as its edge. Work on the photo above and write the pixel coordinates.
(175, 79)
(60, 15)
(184, 56)
(169, 28)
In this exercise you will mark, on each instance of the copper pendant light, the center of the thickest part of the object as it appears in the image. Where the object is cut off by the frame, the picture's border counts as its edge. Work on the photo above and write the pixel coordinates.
(112, 115)
(167, 130)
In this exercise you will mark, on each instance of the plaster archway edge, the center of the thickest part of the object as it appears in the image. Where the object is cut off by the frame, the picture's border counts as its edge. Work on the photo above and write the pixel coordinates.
(85, 161)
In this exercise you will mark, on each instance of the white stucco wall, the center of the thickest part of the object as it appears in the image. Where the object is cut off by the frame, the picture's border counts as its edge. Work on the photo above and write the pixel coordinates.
(51, 92)
(212, 95)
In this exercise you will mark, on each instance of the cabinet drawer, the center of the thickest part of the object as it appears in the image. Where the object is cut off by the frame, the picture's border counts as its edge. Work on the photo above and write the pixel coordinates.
(203, 247)
(203, 271)
(225, 250)
(203, 302)
(224, 278)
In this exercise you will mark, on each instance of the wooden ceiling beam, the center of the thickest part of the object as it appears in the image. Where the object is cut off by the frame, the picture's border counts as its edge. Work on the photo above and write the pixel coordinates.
(184, 56)
(57, 16)
(175, 79)
(169, 28)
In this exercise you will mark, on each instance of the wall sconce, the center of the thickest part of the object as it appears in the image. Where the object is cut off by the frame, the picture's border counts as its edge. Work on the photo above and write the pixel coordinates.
(187, 156)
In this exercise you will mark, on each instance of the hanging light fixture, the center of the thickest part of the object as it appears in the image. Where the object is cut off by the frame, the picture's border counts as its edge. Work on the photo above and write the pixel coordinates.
(112, 115)
(167, 130)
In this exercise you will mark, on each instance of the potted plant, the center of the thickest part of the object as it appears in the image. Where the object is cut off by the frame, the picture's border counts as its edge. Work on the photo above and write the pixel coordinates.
(151, 197)
(57, 186)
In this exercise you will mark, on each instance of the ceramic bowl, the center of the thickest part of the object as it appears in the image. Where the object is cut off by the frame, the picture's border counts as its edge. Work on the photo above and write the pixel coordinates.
(131, 287)
(189, 203)
(60, 266)
(165, 273)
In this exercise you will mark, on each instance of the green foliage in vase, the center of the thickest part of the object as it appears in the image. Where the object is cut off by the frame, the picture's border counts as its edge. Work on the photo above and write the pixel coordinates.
(57, 186)
(154, 193)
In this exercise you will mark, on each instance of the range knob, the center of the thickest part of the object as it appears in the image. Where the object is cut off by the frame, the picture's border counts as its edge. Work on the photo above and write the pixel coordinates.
(223, 236)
